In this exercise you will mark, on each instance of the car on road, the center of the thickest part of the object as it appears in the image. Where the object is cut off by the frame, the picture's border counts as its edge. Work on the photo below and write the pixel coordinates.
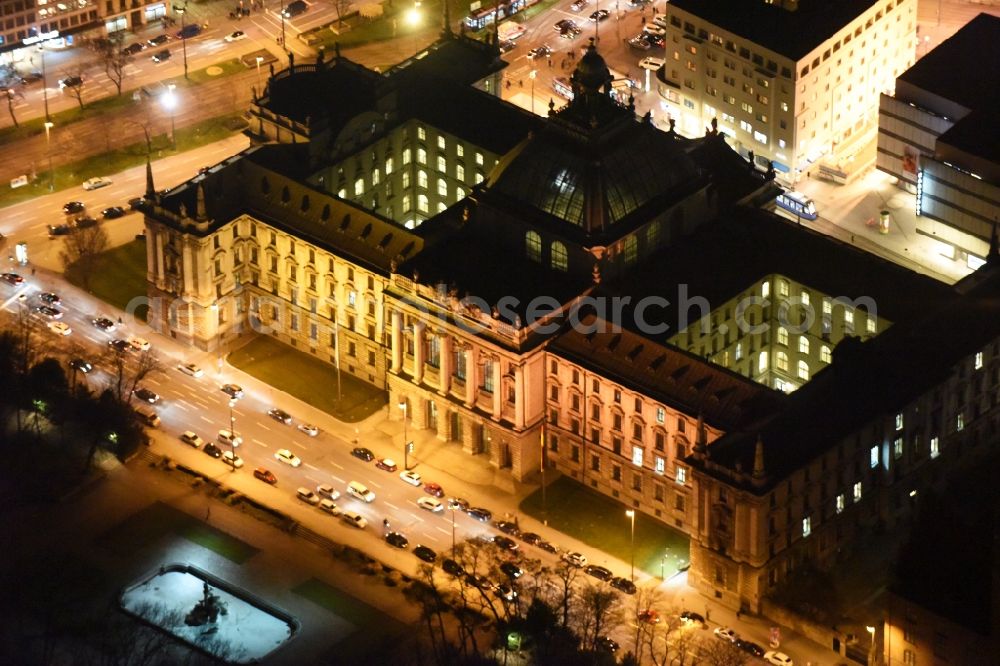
(235, 36)
(571, 32)
(232, 390)
(507, 45)
(396, 539)
(640, 42)
(191, 438)
(606, 644)
(388, 464)
(49, 298)
(138, 344)
(651, 63)
(360, 491)
(575, 559)
(598, 572)
(579, 4)
(329, 506)
(452, 567)
(542, 51)
(50, 313)
(135, 202)
(81, 365)
(287, 457)
(328, 491)
(212, 450)
(59, 328)
(777, 658)
(113, 213)
(690, 617)
(410, 477)
(508, 527)
(146, 395)
(425, 553)
(362, 453)
(511, 569)
(309, 429)
(12, 278)
(458, 503)
(73, 81)
(354, 519)
(430, 504)
(480, 514)
(59, 230)
(232, 460)
(294, 8)
(161, 56)
(105, 324)
(133, 48)
(648, 616)
(726, 633)
(74, 207)
(562, 24)
(280, 415)
(120, 346)
(623, 584)
(265, 475)
(159, 39)
(229, 438)
(434, 489)
(750, 647)
(599, 15)
(190, 369)
(96, 183)
(307, 496)
(505, 543)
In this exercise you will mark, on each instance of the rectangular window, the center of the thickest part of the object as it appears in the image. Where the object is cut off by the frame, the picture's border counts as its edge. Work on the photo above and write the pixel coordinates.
(978, 361)
(637, 452)
(680, 476)
(660, 465)
(806, 527)
(661, 415)
(873, 457)
(935, 450)
(899, 421)
(857, 492)
(840, 503)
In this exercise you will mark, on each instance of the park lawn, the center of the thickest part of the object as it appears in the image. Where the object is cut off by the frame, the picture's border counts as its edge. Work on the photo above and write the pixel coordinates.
(146, 526)
(118, 277)
(307, 378)
(600, 521)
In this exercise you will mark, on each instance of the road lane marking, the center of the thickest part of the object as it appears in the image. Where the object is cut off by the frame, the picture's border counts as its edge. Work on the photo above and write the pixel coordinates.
(257, 441)
(392, 506)
(312, 467)
(441, 529)
(313, 479)
(339, 480)
(298, 445)
(334, 464)
(264, 427)
(373, 484)
(180, 406)
(205, 419)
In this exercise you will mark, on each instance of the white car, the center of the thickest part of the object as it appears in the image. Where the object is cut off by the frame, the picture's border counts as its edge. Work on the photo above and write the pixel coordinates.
(431, 504)
(287, 457)
(309, 429)
(229, 438)
(411, 477)
(777, 658)
(59, 328)
(189, 437)
(726, 633)
(327, 491)
(232, 459)
(575, 559)
(190, 369)
(653, 29)
(137, 343)
(651, 63)
(329, 506)
(96, 183)
(236, 36)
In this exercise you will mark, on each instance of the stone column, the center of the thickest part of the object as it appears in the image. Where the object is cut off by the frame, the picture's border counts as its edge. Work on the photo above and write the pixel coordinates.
(444, 376)
(418, 352)
(471, 376)
(518, 396)
(497, 389)
(397, 341)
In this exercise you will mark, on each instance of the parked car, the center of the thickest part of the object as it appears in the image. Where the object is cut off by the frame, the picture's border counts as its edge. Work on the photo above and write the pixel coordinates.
(232, 390)
(280, 416)
(309, 429)
(396, 539)
(265, 475)
(505, 543)
(623, 584)
(354, 519)
(750, 647)
(425, 554)
(434, 489)
(287, 457)
(189, 437)
(606, 644)
(388, 464)
(598, 572)
(161, 56)
(508, 527)
(579, 4)
(84, 222)
(113, 213)
(458, 503)
(134, 48)
(307, 496)
(59, 230)
(70, 82)
(232, 459)
(74, 207)
(530, 538)
(96, 182)
(59, 328)
(81, 365)
(506, 592)
(212, 450)
(362, 453)
(159, 39)
(726, 633)
(648, 616)
(777, 658)
(480, 514)
(548, 547)
(651, 63)
(600, 15)
(190, 369)
(328, 491)
(690, 617)
(49, 298)
(431, 504)
(12, 278)
(137, 343)
(575, 559)
(452, 567)
(146, 395)
(410, 477)
(511, 569)
(329, 506)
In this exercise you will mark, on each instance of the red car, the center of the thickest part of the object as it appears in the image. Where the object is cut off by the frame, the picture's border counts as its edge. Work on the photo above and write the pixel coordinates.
(387, 464)
(265, 475)
(649, 616)
(433, 489)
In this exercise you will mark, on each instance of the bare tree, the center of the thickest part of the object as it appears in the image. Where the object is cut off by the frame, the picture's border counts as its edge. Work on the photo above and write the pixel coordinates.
(127, 377)
(565, 577)
(13, 95)
(341, 7)
(73, 84)
(115, 61)
(721, 652)
(599, 607)
(82, 249)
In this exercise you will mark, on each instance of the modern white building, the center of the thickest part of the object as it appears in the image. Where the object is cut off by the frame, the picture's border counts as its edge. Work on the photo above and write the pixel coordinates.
(939, 136)
(794, 82)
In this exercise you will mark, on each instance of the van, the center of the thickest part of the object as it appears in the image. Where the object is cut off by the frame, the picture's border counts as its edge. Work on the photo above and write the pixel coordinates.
(148, 416)
(294, 8)
(360, 491)
(354, 519)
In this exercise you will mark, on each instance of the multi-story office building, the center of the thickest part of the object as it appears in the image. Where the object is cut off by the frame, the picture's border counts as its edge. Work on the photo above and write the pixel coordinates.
(939, 136)
(795, 82)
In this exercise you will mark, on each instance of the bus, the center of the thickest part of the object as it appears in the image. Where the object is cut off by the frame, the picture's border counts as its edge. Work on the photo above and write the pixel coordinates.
(798, 204)
(562, 87)
(479, 18)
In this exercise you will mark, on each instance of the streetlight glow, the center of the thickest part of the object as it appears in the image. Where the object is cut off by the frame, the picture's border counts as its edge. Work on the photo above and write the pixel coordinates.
(169, 101)
(413, 14)
(631, 515)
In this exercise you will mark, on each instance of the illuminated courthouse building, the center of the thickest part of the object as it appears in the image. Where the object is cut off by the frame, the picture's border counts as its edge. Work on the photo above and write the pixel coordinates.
(538, 293)
(795, 82)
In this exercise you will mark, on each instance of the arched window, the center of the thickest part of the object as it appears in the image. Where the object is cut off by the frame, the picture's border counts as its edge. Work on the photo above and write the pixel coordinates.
(803, 370)
(631, 250)
(285, 195)
(533, 246)
(781, 361)
(762, 362)
(560, 259)
(422, 179)
(803, 344)
(782, 336)
(359, 187)
(422, 203)
(824, 354)
(305, 203)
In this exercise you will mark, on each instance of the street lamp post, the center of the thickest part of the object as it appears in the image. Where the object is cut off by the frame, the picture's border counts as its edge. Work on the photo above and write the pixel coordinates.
(48, 150)
(170, 102)
(183, 11)
(232, 430)
(631, 514)
(406, 444)
(532, 75)
(452, 509)
(260, 89)
(283, 24)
